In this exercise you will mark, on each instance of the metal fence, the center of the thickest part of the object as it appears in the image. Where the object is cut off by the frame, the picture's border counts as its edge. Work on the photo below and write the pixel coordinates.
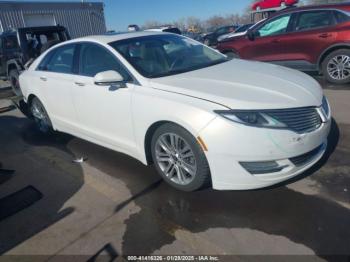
(81, 19)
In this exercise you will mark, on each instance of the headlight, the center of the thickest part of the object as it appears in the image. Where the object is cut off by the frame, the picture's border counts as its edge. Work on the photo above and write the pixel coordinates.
(251, 118)
(325, 106)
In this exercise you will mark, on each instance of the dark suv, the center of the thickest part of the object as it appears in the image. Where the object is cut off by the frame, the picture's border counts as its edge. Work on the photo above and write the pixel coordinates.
(24, 45)
(310, 38)
(211, 39)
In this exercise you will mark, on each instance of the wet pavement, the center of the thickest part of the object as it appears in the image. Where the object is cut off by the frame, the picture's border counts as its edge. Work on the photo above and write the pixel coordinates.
(111, 204)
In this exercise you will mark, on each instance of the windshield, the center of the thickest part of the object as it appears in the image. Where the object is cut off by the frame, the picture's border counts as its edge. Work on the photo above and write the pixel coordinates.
(167, 54)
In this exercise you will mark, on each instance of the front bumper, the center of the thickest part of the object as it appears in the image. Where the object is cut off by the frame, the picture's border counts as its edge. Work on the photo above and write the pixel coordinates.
(229, 144)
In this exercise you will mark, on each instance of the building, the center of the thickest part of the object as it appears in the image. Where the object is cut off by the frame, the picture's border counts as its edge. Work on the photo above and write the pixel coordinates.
(80, 18)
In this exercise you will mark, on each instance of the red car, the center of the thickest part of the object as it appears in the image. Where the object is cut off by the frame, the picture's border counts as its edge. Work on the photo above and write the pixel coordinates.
(313, 38)
(265, 4)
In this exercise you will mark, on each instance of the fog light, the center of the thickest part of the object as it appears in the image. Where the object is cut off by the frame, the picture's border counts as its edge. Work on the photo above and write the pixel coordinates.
(256, 168)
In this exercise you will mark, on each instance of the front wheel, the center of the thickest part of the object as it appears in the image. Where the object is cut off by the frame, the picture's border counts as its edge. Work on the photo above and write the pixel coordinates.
(336, 67)
(40, 116)
(179, 159)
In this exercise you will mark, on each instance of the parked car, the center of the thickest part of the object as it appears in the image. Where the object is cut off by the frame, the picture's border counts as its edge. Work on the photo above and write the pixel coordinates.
(242, 30)
(211, 39)
(133, 28)
(167, 29)
(169, 100)
(266, 4)
(20, 46)
(196, 36)
(315, 38)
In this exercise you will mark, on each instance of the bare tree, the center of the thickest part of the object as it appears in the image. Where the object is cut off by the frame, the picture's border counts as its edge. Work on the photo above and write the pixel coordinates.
(194, 24)
(181, 24)
(151, 24)
(215, 21)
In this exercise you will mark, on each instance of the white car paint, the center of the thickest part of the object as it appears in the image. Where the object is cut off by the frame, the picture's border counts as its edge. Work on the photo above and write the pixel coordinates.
(120, 119)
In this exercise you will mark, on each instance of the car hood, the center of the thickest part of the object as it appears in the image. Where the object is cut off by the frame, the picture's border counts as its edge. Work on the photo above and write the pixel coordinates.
(241, 84)
(231, 35)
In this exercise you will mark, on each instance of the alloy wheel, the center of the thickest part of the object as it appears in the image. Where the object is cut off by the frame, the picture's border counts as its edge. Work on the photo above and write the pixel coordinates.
(40, 116)
(338, 67)
(175, 158)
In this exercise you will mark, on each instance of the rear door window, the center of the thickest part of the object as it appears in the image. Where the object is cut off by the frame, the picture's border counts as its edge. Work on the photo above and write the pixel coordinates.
(314, 19)
(341, 17)
(60, 60)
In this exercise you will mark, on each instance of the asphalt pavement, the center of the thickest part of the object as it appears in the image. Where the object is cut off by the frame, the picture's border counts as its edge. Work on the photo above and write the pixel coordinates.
(111, 205)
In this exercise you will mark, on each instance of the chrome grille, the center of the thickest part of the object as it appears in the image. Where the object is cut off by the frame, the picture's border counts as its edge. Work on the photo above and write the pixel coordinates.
(300, 120)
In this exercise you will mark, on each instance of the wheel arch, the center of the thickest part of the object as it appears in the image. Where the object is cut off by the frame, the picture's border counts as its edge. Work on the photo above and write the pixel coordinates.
(152, 129)
(30, 98)
(330, 50)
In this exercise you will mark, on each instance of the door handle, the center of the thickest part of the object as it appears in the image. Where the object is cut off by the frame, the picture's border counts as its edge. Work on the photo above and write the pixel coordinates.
(79, 83)
(324, 35)
(43, 78)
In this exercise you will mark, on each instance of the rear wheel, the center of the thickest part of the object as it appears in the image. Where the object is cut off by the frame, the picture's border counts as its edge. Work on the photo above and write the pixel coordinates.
(336, 67)
(14, 80)
(40, 116)
(179, 159)
(258, 8)
(283, 4)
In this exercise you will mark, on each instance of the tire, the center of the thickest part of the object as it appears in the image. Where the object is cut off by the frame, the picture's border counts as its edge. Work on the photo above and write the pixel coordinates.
(14, 80)
(187, 170)
(23, 107)
(40, 116)
(283, 4)
(258, 8)
(336, 67)
(231, 55)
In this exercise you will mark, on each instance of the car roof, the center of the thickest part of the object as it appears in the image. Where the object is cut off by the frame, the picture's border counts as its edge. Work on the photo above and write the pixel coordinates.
(117, 36)
(339, 6)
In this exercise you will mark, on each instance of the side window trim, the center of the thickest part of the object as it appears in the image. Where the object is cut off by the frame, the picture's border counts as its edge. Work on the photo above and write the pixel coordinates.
(131, 77)
(76, 56)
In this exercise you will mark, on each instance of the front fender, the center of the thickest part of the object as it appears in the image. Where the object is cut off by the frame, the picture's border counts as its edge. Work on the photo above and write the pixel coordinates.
(150, 106)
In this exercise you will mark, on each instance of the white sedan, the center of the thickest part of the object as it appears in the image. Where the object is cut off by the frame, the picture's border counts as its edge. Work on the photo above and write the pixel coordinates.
(170, 101)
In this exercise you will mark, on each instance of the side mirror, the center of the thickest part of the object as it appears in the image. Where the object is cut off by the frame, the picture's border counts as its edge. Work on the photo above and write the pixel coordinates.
(251, 35)
(108, 78)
